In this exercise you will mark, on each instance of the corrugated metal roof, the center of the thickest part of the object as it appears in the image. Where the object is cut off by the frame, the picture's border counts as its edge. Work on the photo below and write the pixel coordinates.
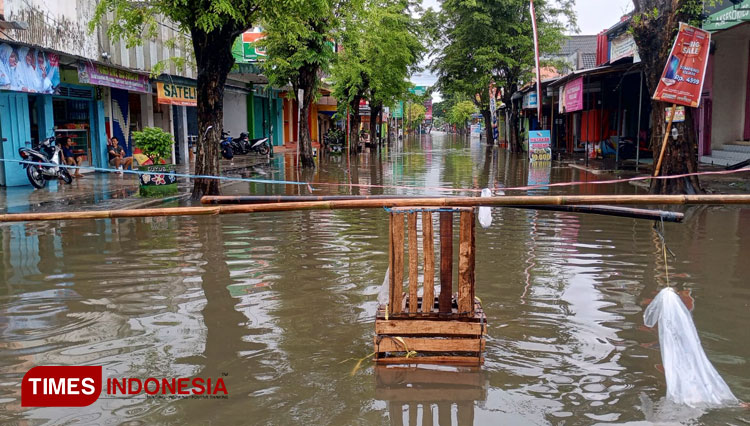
(589, 60)
(578, 43)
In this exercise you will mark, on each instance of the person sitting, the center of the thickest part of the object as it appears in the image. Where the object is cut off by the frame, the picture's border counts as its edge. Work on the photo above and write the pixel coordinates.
(69, 157)
(117, 156)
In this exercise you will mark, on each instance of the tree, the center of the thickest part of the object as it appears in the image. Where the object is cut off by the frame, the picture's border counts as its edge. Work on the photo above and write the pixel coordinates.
(491, 40)
(654, 26)
(460, 113)
(212, 27)
(299, 47)
(415, 114)
(380, 48)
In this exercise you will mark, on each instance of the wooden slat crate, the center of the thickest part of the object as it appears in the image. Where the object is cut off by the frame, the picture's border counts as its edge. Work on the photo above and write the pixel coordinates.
(451, 328)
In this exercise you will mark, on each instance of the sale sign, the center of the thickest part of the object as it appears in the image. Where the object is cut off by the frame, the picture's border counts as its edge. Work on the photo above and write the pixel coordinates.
(682, 80)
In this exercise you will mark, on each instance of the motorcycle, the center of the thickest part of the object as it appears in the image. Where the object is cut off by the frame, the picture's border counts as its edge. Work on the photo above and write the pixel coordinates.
(226, 145)
(46, 153)
(260, 145)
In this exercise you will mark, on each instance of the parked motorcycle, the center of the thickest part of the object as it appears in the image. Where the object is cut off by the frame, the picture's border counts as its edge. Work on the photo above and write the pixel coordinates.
(226, 145)
(260, 146)
(50, 153)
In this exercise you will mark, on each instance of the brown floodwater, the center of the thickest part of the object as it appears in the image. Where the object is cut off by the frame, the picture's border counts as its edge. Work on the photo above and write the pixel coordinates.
(281, 305)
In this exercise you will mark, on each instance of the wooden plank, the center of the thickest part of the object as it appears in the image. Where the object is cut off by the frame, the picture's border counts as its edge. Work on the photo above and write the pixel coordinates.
(413, 412)
(446, 261)
(443, 359)
(388, 376)
(413, 262)
(445, 412)
(472, 259)
(465, 413)
(429, 262)
(397, 229)
(396, 414)
(425, 344)
(413, 209)
(404, 327)
(431, 395)
(465, 270)
(427, 419)
(391, 269)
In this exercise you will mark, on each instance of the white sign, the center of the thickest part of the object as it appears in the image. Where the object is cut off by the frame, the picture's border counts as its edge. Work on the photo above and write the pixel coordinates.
(624, 47)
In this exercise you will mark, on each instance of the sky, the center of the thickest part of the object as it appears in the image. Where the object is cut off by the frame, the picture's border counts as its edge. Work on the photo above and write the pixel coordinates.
(593, 16)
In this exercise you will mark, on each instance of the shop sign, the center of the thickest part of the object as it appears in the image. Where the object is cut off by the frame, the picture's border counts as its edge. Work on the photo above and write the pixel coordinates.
(679, 115)
(572, 96)
(540, 145)
(176, 94)
(723, 14)
(530, 100)
(102, 75)
(624, 47)
(682, 80)
(28, 70)
(398, 111)
(245, 48)
(418, 90)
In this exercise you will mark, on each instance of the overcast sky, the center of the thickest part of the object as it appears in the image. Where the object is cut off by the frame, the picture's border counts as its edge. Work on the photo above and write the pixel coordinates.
(593, 16)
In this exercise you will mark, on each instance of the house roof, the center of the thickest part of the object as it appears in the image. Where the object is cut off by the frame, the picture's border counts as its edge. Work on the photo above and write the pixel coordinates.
(578, 43)
(589, 60)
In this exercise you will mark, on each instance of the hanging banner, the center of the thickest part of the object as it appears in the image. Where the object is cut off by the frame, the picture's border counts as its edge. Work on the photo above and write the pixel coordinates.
(428, 109)
(493, 111)
(624, 47)
(176, 94)
(102, 75)
(682, 80)
(398, 111)
(573, 96)
(530, 101)
(540, 146)
(28, 70)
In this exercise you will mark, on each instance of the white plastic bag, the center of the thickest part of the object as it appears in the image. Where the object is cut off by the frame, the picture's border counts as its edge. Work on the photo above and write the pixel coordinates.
(691, 379)
(383, 292)
(485, 213)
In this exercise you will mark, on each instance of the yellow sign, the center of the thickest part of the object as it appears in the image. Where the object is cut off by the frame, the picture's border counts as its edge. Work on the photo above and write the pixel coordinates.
(176, 94)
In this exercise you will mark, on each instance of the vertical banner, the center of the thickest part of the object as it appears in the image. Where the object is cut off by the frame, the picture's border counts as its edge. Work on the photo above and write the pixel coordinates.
(493, 112)
(536, 59)
(682, 80)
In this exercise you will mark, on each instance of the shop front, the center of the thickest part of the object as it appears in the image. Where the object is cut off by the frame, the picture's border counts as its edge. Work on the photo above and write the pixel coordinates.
(28, 78)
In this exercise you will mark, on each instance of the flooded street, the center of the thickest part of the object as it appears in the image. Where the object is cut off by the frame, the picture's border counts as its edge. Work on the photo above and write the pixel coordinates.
(281, 305)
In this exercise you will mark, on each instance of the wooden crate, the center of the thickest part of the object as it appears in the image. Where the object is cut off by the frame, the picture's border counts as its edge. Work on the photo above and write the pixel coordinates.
(451, 328)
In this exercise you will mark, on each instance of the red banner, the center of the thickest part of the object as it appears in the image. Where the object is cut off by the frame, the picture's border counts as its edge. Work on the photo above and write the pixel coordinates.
(682, 80)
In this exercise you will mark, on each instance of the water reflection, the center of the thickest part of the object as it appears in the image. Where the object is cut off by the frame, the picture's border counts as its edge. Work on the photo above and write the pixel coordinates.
(279, 302)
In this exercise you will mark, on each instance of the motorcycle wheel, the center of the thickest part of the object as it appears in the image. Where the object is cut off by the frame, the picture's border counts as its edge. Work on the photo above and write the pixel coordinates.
(35, 176)
(65, 176)
(227, 153)
(263, 149)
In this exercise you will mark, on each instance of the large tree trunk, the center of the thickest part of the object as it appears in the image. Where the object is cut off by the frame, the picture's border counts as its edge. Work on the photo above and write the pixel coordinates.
(488, 131)
(374, 113)
(654, 35)
(515, 139)
(213, 56)
(307, 82)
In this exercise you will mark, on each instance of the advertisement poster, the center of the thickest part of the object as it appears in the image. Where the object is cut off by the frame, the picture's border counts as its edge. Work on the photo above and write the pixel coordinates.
(176, 94)
(682, 80)
(679, 115)
(428, 109)
(624, 47)
(102, 75)
(493, 112)
(530, 100)
(573, 96)
(28, 70)
(540, 148)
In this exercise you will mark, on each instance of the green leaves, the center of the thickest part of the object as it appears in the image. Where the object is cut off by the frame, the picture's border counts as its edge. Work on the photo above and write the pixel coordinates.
(155, 143)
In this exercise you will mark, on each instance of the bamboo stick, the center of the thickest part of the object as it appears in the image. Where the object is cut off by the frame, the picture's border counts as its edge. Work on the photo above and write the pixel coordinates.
(504, 201)
(428, 293)
(411, 220)
(465, 264)
(397, 285)
(664, 141)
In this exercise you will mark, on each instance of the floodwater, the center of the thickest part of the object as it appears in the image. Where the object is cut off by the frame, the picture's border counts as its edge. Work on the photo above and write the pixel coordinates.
(281, 305)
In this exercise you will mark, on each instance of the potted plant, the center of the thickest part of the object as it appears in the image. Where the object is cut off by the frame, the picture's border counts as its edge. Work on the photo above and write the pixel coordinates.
(156, 145)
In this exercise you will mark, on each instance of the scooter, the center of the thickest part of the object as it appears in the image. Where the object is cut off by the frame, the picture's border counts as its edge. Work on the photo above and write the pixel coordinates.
(226, 145)
(260, 145)
(47, 153)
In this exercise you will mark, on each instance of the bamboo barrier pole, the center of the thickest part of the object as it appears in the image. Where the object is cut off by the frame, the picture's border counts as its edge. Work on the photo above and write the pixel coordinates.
(504, 201)
(617, 211)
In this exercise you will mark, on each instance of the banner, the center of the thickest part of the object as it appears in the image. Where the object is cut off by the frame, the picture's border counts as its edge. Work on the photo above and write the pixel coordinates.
(102, 75)
(176, 94)
(573, 96)
(679, 115)
(28, 70)
(428, 109)
(493, 112)
(536, 59)
(682, 80)
(530, 100)
(624, 47)
(398, 111)
(540, 147)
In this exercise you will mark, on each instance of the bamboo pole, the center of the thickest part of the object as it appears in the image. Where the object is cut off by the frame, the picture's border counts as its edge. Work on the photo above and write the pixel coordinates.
(667, 216)
(664, 141)
(503, 201)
